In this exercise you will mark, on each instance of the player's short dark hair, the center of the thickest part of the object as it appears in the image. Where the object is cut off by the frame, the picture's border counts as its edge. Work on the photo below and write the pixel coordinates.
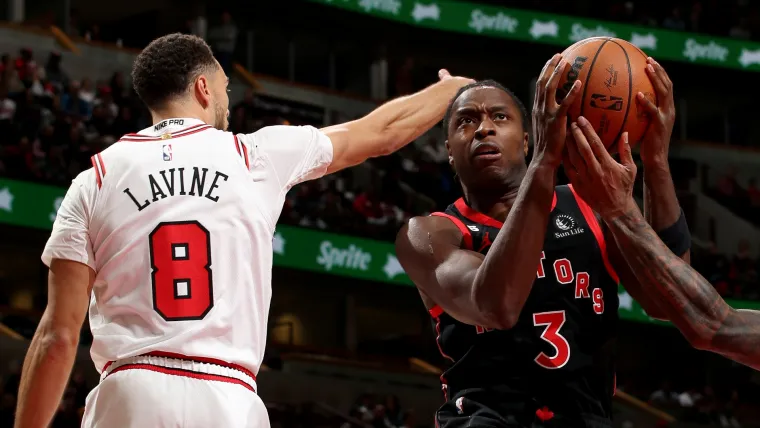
(168, 65)
(486, 84)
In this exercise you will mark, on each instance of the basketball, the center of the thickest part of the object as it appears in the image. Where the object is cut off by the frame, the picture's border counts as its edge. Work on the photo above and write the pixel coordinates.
(612, 71)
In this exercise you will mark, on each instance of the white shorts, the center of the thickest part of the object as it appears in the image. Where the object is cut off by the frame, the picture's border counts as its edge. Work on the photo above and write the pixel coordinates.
(160, 392)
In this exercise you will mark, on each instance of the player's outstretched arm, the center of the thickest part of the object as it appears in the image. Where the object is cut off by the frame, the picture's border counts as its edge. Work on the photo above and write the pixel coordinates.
(687, 298)
(491, 291)
(53, 349)
(393, 125)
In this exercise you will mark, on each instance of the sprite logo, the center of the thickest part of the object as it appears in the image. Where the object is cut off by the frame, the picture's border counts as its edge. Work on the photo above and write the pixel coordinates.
(388, 6)
(352, 257)
(579, 32)
(694, 50)
(500, 22)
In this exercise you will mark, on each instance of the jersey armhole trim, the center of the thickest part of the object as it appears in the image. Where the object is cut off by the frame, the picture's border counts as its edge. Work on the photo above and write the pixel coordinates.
(466, 235)
(242, 151)
(100, 168)
(435, 311)
(596, 228)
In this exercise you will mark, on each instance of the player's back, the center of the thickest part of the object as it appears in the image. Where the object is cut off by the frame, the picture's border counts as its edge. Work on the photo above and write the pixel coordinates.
(182, 247)
(556, 362)
(176, 222)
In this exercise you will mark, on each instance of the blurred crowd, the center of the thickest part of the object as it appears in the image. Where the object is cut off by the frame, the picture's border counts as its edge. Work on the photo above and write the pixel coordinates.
(70, 410)
(381, 413)
(51, 124)
(733, 276)
(700, 405)
(739, 19)
(744, 201)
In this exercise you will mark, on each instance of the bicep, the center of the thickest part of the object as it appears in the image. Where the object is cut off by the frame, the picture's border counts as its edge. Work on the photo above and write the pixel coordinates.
(441, 269)
(353, 143)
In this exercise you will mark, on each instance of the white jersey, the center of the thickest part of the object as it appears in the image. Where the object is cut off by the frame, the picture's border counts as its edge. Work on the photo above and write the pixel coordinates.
(177, 221)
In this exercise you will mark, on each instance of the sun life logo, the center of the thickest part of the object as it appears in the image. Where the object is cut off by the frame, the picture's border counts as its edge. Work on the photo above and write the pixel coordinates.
(564, 222)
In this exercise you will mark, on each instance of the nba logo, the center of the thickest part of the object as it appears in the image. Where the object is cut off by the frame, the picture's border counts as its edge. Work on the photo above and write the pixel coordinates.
(167, 152)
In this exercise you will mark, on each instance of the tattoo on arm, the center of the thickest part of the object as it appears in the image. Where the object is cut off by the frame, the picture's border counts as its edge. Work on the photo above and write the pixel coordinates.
(691, 302)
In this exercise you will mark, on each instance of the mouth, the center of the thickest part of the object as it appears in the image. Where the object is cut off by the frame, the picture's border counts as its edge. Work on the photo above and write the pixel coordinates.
(486, 151)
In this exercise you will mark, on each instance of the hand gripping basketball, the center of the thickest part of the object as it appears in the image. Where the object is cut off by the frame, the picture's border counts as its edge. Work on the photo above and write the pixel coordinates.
(605, 184)
(550, 117)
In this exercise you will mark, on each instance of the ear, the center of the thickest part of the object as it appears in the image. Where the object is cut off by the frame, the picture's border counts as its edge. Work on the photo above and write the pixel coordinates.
(448, 150)
(202, 89)
(526, 140)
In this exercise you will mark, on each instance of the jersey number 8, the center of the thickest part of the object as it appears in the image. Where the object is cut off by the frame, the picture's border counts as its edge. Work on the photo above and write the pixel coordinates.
(180, 258)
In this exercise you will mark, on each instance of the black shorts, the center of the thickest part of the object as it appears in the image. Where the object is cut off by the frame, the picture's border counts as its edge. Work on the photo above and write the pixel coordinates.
(477, 411)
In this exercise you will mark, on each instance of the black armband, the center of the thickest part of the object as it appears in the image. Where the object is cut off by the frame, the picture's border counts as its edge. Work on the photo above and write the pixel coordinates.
(677, 237)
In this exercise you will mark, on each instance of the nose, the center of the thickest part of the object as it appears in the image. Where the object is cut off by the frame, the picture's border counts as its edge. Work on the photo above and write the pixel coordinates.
(486, 128)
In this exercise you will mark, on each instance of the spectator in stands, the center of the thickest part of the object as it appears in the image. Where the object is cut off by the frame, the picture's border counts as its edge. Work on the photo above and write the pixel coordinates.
(674, 21)
(741, 29)
(73, 103)
(393, 413)
(54, 73)
(754, 194)
(743, 273)
(119, 90)
(222, 39)
(665, 396)
(695, 17)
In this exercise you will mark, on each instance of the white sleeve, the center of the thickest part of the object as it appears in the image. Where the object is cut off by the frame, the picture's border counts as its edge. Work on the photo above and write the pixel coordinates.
(294, 153)
(70, 238)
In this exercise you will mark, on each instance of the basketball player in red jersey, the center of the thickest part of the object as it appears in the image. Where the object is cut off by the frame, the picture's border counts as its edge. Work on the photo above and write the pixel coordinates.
(519, 275)
(680, 292)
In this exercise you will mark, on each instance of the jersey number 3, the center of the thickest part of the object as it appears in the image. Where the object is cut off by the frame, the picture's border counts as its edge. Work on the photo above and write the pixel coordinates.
(553, 321)
(180, 256)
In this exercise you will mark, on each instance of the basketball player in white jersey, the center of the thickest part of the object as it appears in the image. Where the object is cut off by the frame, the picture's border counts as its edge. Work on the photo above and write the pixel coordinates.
(168, 240)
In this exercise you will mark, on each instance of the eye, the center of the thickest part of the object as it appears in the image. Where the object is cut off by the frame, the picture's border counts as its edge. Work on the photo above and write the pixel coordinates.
(500, 116)
(464, 120)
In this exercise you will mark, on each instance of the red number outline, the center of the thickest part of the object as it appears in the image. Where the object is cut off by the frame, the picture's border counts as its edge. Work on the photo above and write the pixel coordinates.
(551, 332)
(155, 270)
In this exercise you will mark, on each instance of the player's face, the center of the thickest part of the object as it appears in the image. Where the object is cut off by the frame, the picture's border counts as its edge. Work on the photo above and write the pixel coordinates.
(221, 100)
(486, 138)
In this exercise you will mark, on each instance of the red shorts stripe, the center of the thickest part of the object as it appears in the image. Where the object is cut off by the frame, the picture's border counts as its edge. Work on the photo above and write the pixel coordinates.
(183, 373)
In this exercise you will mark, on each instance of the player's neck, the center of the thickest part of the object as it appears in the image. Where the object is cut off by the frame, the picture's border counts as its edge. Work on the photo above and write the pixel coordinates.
(495, 202)
(177, 111)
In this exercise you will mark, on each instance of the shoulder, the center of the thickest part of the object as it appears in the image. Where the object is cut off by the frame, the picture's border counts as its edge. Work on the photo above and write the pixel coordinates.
(279, 134)
(422, 231)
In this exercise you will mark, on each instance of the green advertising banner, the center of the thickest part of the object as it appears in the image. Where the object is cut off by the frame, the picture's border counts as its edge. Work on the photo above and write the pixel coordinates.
(560, 30)
(35, 205)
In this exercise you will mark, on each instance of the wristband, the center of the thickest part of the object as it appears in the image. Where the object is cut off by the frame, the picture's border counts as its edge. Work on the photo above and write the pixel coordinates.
(677, 237)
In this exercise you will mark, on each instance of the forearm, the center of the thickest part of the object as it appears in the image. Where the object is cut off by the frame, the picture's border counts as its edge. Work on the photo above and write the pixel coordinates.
(504, 280)
(404, 119)
(687, 298)
(661, 207)
(46, 371)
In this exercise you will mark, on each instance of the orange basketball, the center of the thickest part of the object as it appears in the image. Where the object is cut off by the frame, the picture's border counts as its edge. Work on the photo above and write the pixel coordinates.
(612, 71)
